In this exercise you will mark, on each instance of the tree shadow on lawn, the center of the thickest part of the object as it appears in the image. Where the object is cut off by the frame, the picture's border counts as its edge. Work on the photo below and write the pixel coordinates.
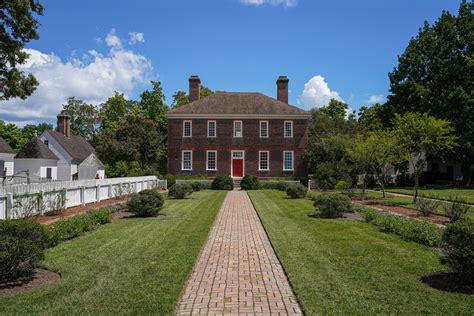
(130, 215)
(344, 216)
(448, 282)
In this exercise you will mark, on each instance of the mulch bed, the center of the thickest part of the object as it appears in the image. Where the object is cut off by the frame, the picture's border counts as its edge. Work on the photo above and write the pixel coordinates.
(448, 282)
(436, 219)
(40, 278)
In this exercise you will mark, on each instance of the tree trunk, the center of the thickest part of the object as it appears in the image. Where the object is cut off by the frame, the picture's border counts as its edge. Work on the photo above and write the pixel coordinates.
(417, 180)
(364, 184)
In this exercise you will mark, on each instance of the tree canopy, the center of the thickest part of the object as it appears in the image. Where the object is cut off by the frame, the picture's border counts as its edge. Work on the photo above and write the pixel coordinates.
(18, 27)
(181, 97)
(84, 118)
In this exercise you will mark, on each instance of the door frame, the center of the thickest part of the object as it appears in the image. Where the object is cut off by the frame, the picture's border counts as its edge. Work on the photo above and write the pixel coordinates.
(232, 163)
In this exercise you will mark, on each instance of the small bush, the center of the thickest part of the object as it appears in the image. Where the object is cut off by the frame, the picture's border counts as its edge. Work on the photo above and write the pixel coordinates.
(222, 183)
(179, 191)
(100, 216)
(370, 214)
(250, 183)
(69, 228)
(146, 203)
(459, 240)
(272, 185)
(341, 185)
(18, 257)
(25, 229)
(198, 186)
(457, 209)
(296, 191)
(426, 206)
(332, 205)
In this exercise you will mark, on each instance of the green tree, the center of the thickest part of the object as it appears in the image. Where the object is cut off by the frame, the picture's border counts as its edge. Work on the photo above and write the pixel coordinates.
(435, 75)
(84, 118)
(421, 136)
(182, 98)
(335, 109)
(31, 130)
(18, 26)
(114, 110)
(12, 135)
(374, 117)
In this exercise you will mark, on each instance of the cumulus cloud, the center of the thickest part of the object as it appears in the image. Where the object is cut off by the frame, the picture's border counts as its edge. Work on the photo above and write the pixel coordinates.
(376, 99)
(316, 93)
(136, 37)
(93, 78)
(285, 3)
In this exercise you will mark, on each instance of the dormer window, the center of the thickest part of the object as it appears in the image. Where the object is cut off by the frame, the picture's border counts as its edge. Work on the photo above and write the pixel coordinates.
(187, 128)
(237, 128)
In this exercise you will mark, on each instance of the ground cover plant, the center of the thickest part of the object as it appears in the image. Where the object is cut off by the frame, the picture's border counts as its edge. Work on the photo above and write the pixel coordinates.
(134, 266)
(338, 266)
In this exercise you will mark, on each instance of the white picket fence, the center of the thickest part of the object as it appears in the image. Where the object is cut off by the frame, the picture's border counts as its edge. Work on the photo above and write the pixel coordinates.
(22, 200)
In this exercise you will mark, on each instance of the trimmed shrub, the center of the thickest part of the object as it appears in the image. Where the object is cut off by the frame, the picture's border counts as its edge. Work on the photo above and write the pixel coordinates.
(100, 216)
(222, 183)
(146, 203)
(332, 205)
(250, 183)
(198, 186)
(426, 206)
(179, 191)
(411, 230)
(296, 191)
(272, 185)
(457, 209)
(341, 185)
(18, 257)
(459, 240)
(25, 229)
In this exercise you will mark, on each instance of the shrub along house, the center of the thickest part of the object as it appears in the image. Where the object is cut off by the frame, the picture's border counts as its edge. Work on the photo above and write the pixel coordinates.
(237, 134)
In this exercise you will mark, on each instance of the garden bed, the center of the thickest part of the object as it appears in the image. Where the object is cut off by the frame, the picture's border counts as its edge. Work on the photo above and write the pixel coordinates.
(40, 278)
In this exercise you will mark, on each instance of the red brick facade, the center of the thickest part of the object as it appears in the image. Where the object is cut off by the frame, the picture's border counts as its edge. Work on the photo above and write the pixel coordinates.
(225, 142)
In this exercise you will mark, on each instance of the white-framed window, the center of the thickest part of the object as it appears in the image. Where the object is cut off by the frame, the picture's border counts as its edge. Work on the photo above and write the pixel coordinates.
(187, 160)
(237, 128)
(288, 128)
(263, 160)
(46, 142)
(288, 160)
(237, 154)
(263, 129)
(211, 161)
(211, 128)
(187, 128)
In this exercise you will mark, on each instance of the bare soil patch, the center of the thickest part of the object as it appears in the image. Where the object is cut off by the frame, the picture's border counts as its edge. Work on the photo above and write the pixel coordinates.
(436, 219)
(40, 278)
(448, 282)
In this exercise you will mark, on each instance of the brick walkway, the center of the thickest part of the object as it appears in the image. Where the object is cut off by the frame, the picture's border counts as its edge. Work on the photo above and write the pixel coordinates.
(238, 271)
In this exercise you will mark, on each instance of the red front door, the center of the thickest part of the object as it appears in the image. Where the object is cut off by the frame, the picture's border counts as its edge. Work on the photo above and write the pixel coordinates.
(237, 167)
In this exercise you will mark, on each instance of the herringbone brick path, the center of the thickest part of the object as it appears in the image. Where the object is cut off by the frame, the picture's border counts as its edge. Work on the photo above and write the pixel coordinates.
(238, 272)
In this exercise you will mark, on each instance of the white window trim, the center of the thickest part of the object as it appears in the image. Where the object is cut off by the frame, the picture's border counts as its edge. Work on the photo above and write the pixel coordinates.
(241, 129)
(268, 132)
(292, 160)
(215, 128)
(182, 160)
(284, 129)
(190, 128)
(268, 160)
(207, 160)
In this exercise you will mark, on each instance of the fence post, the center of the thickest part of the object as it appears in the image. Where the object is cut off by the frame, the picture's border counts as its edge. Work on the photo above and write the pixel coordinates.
(111, 193)
(309, 185)
(166, 184)
(97, 193)
(83, 195)
(9, 205)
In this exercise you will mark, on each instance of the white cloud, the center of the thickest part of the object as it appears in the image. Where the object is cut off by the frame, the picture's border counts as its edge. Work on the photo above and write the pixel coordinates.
(136, 37)
(93, 78)
(317, 93)
(285, 3)
(376, 99)
(113, 40)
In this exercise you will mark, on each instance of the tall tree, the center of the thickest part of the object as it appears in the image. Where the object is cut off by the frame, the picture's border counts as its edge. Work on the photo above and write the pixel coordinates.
(31, 130)
(84, 118)
(181, 97)
(114, 110)
(419, 137)
(335, 109)
(435, 75)
(374, 117)
(18, 26)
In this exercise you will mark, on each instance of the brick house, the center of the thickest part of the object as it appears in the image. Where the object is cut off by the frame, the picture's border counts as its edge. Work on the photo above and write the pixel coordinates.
(237, 134)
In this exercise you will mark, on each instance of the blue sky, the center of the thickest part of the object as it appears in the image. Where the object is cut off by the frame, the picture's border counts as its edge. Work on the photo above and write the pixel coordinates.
(341, 49)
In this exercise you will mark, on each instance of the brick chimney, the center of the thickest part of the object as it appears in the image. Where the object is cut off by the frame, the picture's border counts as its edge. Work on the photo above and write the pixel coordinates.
(64, 125)
(282, 89)
(194, 88)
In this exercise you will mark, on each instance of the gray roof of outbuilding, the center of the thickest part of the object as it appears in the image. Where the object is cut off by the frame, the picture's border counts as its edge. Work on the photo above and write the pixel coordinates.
(243, 103)
(76, 146)
(5, 147)
(35, 149)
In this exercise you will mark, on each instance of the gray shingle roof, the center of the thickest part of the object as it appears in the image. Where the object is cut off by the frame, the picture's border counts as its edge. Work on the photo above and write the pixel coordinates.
(5, 147)
(244, 103)
(36, 149)
(76, 146)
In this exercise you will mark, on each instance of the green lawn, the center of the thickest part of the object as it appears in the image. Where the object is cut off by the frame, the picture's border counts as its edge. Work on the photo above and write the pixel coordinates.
(440, 193)
(131, 266)
(348, 267)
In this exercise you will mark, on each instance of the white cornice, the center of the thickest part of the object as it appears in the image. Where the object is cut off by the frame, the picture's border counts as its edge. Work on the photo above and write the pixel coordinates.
(238, 116)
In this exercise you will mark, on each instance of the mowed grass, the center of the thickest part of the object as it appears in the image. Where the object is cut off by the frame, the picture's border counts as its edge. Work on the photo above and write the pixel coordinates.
(347, 267)
(131, 266)
(440, 193)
